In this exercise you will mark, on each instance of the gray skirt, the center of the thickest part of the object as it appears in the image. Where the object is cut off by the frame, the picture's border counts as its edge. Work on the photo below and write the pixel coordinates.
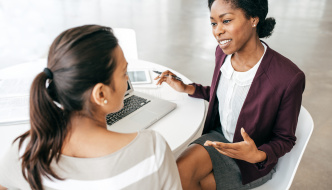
(226, 172)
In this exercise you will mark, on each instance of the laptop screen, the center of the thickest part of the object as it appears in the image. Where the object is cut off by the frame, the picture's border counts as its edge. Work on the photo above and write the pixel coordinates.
(129, 87)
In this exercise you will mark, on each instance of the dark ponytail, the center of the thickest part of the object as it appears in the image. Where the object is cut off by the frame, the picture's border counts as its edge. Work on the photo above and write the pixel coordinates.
(48, 131)
(265, 27)
(251, 8)
(78, 59)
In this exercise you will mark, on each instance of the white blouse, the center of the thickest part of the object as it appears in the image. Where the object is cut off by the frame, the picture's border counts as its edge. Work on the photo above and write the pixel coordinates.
(232, 91)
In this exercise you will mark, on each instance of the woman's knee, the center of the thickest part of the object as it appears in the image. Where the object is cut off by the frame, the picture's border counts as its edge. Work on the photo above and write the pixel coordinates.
(194, 161)
(186, 165)
(189, 157)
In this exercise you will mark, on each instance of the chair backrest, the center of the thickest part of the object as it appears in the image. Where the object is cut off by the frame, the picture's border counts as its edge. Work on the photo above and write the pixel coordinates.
(287, 165)
(127, 41)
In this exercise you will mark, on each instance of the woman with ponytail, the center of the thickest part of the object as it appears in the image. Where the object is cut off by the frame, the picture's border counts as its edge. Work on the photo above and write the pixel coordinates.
(68, 145)
(254, 103)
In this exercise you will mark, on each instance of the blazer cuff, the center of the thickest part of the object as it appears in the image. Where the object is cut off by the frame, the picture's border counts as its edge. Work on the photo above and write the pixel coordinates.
(195, 94)
(270, 158)
(261, 165)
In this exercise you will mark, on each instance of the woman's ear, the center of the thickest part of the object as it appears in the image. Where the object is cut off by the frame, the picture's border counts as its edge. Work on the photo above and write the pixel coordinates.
(98, 94)
(254, 21)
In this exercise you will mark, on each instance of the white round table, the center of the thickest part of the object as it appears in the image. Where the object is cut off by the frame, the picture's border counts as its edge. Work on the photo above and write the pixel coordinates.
(179, 127)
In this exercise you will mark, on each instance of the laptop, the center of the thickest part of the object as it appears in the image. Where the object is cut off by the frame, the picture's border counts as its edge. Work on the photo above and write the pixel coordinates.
(139, 112)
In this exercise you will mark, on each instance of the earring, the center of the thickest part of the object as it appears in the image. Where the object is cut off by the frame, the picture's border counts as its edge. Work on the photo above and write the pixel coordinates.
(254, 25)
(105, 101)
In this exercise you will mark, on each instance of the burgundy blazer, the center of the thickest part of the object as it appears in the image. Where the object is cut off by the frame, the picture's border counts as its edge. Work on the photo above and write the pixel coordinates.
(269, 113)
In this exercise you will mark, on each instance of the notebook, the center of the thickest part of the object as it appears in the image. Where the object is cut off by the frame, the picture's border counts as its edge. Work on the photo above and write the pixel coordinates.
(140, 111)
(14, 100)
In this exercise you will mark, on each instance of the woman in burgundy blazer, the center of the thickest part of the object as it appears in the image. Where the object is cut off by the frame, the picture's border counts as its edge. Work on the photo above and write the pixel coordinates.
(266, 125)
(270, 111)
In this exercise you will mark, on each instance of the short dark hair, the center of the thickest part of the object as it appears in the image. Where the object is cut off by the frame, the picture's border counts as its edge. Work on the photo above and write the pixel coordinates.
(254, 8)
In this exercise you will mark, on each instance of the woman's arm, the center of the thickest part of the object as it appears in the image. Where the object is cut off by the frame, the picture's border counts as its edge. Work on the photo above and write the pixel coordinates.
(245, 150)
(193, 90)
(200, 91)
(283, 138)
(168, 173)
(2, 188)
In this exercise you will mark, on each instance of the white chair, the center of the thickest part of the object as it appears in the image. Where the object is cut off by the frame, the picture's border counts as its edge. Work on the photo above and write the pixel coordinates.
(287, 165)
(127, 41)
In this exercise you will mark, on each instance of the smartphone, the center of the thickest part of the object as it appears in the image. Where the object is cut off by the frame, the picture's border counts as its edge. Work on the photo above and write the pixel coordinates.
(139, 76)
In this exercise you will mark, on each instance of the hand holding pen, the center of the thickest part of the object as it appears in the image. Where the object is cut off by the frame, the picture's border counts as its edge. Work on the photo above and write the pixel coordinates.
(166, 75)
(174, 81)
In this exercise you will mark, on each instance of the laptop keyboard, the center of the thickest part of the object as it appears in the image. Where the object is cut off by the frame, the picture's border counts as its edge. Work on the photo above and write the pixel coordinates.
(131, 104)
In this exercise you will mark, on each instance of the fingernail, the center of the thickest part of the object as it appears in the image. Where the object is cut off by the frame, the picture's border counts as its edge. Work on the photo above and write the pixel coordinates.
(242, 129)
(214, 143)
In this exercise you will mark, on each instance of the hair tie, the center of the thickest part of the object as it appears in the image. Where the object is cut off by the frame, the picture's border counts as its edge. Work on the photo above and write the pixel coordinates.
(48, 73)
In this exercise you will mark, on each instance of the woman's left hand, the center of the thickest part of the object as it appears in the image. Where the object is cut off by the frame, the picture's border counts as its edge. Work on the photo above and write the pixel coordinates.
(245, 150)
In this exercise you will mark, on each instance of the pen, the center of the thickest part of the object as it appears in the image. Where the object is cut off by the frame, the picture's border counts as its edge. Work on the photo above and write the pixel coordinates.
(174, 76)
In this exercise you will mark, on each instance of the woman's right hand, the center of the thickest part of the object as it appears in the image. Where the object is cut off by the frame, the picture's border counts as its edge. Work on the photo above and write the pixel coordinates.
(168, 77)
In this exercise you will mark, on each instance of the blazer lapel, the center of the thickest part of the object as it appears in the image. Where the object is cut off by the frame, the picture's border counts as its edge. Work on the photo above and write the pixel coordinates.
(220, 58)
(250, 103)
(212, 113)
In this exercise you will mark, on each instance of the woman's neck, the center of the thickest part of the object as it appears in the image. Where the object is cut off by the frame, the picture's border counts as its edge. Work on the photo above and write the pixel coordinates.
(84, 122)
(83, 131)
(248, 56)
(89, 138)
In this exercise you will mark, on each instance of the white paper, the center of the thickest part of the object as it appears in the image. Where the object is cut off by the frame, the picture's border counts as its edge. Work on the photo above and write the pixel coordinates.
(14, 100)
(14, 110)
(15, 87)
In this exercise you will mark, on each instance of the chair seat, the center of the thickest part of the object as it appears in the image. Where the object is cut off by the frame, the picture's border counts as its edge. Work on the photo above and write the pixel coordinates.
(288, 164)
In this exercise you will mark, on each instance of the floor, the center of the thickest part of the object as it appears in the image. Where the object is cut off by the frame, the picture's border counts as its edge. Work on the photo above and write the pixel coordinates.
(177, 34)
